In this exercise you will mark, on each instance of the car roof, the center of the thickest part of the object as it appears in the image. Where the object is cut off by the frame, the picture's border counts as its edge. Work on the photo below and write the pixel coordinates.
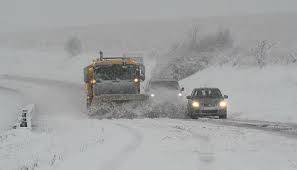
(163, 80)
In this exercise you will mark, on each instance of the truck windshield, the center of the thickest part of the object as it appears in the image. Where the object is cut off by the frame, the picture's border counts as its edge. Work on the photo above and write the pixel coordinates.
(172, 85)
(208, 93)
(114, 72)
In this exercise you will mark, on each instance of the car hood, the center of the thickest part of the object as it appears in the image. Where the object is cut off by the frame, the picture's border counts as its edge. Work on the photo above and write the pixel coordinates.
(208, 101)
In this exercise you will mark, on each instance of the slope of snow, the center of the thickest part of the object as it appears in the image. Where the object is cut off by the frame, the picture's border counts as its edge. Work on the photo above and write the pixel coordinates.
(144, 144)
(261, 94)
(10, 103)
(51, 65)
(64, 138)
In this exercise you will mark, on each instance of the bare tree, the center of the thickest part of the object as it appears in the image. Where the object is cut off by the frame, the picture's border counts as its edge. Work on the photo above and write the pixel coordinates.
(261, 52)
(193, 33)
(73, 46)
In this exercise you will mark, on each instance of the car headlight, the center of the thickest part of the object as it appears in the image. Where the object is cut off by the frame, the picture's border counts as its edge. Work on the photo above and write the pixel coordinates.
(195, 104)
(152, 95)
(180, 94)
(223, 104)
(136, 80)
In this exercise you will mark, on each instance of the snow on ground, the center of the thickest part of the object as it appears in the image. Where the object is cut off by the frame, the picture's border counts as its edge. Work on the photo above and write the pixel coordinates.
(64, 138)
(264, 94)
(10, 103)
(260, 94)
(144, 144)
(51, 65)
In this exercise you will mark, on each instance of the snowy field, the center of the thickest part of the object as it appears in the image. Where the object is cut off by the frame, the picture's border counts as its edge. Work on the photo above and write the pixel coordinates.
(260, 94)
(44, 46)
(63, 137)
(10, 102)
(68, 143)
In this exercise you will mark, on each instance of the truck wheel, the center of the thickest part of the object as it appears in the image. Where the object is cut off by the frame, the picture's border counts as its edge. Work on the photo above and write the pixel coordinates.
(194, 116)
(191, 115)
(88, 106)
(188, 114)
(223, 116)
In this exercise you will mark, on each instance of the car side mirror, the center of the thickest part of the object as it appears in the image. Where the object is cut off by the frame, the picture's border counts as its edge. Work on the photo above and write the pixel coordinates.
(189, 97)
(182, 89)
(226, 97)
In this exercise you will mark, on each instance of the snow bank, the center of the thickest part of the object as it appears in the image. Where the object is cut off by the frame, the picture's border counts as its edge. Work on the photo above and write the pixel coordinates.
(50, 65)
(265, 94)
(9, 105)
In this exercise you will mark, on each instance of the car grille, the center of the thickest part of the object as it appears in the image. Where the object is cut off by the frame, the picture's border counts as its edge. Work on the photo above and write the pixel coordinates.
(209, 105)
(209, 111)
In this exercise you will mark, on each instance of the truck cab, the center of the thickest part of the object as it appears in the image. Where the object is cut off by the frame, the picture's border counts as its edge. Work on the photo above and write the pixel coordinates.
(111, 77)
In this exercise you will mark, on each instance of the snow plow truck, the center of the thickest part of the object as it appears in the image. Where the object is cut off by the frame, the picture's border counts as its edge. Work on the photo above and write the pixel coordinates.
(113, 86)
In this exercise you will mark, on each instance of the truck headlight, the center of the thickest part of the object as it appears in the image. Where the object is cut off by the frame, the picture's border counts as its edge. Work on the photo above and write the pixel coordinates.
(195, 104)
(93, 81)
(223, 104)
(136, 80)
(152, 95)
(180, 94)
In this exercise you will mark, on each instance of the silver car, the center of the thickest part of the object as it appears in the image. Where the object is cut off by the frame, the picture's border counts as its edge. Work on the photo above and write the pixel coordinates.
(166, 97)
(207, 102)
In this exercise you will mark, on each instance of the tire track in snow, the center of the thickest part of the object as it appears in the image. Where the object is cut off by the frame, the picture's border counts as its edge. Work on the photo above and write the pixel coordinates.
(42, 81)
(11, 90)
(204, 149)
(66, 96)
(285, 129)
(124, 153)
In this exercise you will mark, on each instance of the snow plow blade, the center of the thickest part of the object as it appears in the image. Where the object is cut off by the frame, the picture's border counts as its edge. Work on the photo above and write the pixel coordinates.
(118, 106)
(120, 98)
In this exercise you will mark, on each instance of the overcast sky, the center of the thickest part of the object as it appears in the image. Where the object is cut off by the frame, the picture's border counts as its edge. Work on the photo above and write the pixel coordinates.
(18, 15)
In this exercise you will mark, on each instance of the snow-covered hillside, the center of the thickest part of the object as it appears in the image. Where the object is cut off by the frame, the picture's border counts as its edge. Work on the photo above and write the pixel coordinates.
(63, 137)
(159, 34)
(51, 65)
(10, 102)
(266, 94)
(261, 94)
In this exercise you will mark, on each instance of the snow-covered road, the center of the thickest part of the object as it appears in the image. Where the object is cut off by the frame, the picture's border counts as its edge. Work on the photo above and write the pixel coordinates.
(65, 138)
(10, 100)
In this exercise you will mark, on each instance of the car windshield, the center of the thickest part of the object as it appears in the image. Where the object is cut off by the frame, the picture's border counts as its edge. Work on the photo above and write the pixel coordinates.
(208, 93)
(114, 72)
(173, 85)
